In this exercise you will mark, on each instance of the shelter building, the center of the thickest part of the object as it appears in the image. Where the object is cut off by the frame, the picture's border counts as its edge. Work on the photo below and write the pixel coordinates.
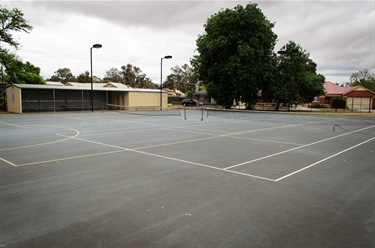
(71, 96)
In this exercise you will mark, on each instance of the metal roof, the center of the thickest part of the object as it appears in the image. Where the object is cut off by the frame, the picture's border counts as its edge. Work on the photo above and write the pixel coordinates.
(88, 87)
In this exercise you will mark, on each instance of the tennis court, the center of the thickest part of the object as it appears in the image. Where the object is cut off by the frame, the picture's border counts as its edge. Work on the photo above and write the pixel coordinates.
(186, 179)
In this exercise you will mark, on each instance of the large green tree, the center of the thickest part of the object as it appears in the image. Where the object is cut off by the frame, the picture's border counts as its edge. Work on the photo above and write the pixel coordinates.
(296, 80)
(235, 57)
(364, 78)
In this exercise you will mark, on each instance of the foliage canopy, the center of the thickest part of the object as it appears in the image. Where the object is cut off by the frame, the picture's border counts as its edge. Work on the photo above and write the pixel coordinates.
(236, 54)
(296, 80)
(13, 70)
(12, 21)
(364, 78)
(183, 78)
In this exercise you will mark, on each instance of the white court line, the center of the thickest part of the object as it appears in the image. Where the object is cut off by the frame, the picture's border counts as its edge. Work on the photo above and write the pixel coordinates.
(236, 172)
(10, 124)
(320, 161)
(173, 159)
(269, 141)
(234, 137)
(295, 148)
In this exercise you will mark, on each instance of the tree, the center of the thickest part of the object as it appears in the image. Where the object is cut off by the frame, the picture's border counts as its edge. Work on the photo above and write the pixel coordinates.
(18, 72)
(310, 87)
(296, 80)
(84, 77)
(182, 78)
(113, 75)
(364, 78)
(12, 21)
(235, 54)
(63, 75)
(13, 70)
(135, 78)
(129, 75)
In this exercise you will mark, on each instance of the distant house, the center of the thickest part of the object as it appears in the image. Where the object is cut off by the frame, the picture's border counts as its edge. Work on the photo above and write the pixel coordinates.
(358, 98)
(174, 92)
(202, 96)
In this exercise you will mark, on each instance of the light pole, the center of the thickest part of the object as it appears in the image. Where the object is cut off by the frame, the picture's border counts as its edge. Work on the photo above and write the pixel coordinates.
(161, 80)
(290, 53)
(92, 90)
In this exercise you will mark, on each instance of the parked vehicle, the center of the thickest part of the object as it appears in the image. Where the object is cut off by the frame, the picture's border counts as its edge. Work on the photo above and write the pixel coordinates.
(191, 103)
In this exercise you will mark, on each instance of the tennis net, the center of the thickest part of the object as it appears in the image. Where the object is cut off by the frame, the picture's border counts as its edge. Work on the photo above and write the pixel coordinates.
(141, 110)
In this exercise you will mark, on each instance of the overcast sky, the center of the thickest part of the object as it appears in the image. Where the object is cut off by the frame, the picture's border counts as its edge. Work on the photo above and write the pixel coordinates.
(339, 35)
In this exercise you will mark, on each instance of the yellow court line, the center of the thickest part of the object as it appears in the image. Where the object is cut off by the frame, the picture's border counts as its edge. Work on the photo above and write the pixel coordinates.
(45, 143)
(8, 162)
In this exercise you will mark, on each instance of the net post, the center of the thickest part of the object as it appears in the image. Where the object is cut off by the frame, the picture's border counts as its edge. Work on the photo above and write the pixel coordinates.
(185, 112)
(202, 114)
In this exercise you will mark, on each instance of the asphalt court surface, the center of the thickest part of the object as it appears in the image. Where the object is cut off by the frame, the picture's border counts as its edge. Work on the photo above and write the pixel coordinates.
(107, 166)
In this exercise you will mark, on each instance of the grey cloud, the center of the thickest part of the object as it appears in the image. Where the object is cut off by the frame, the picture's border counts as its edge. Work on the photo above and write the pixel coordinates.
(151, 14)
(337, 34)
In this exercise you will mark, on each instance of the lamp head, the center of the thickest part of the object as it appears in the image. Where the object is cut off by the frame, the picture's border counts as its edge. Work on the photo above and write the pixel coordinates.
(97, 46)
(168, 57)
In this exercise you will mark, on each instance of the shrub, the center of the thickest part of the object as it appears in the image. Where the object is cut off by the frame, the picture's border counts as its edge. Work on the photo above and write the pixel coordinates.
(338, 103)
(317, 105)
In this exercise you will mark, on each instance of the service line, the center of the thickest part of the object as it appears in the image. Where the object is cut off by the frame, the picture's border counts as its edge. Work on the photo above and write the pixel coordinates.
(170, 158)
(295, 148)
(320, 161)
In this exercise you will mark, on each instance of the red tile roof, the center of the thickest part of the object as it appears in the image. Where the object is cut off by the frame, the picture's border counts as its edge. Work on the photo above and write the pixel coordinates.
(334, 89)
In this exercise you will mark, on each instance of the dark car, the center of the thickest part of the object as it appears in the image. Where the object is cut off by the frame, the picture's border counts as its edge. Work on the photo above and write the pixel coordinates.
(191, 102)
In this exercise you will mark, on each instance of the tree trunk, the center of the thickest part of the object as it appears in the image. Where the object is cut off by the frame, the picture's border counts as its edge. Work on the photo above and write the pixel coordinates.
(277, 106)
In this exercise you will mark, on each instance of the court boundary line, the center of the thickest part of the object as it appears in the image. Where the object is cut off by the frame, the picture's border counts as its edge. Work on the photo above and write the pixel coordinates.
(144, 147)
(295, 148)
(173, 159)
(227, 169)
(324, 159)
